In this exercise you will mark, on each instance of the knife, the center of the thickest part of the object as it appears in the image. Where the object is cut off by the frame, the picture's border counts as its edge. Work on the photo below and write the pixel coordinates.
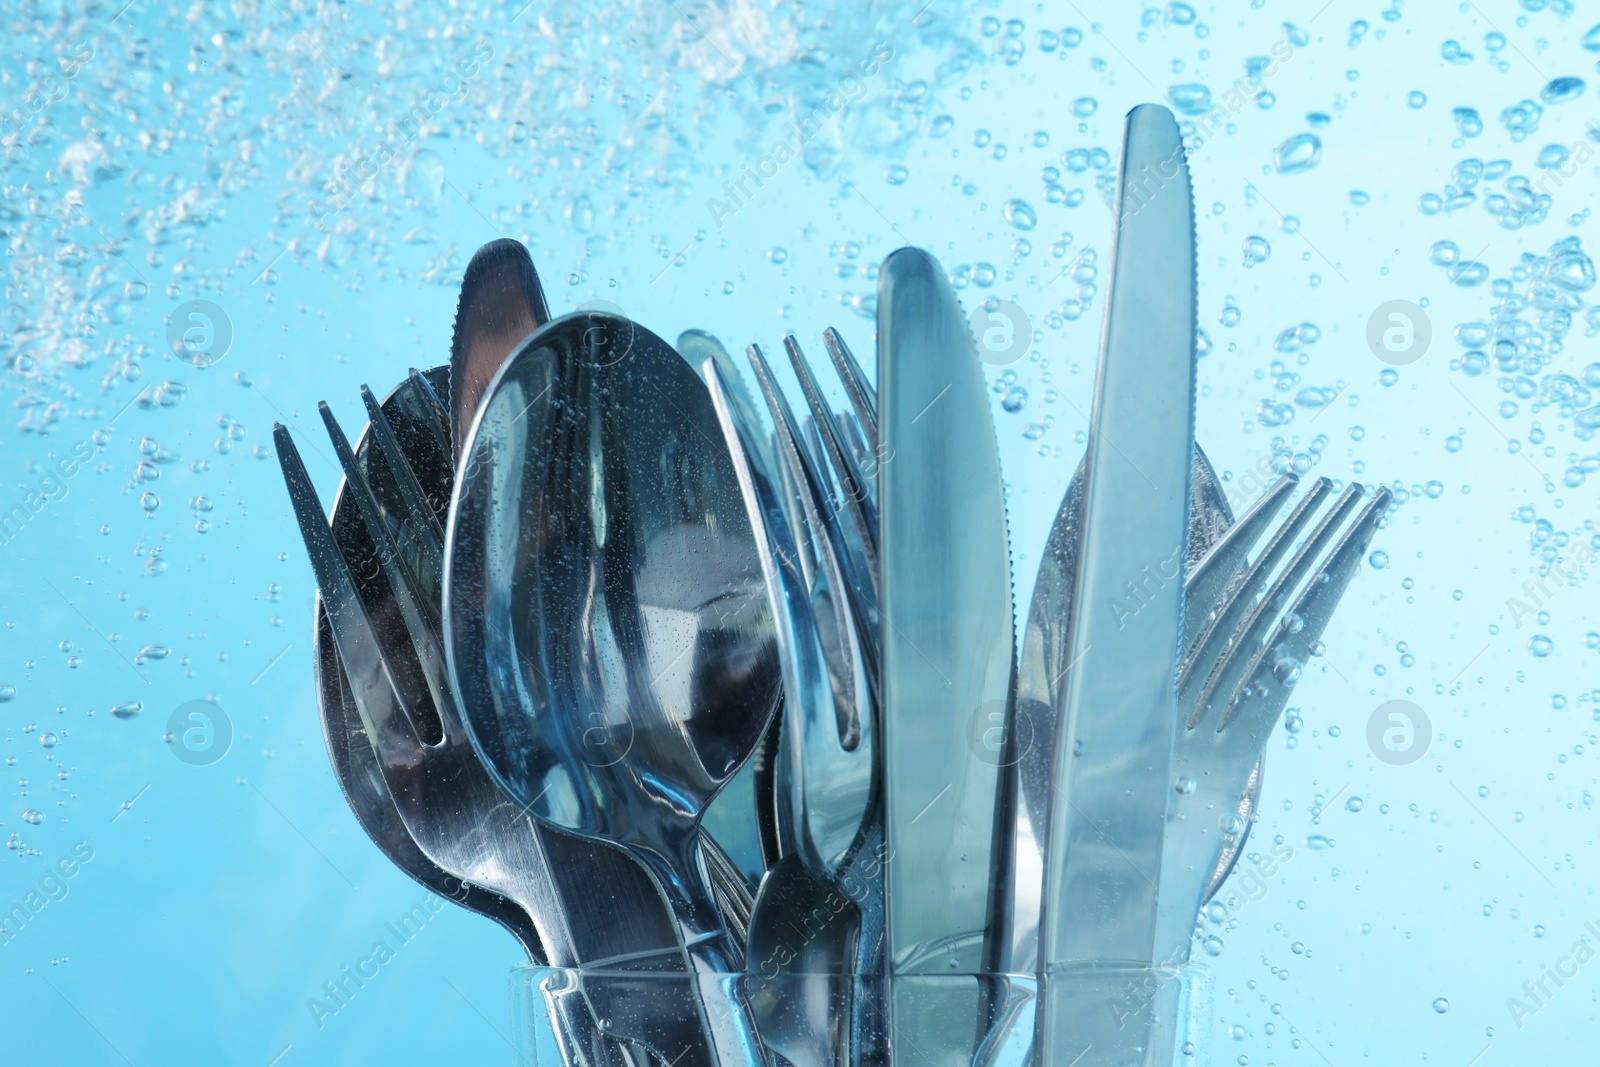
(947, 643)
(1103, 987)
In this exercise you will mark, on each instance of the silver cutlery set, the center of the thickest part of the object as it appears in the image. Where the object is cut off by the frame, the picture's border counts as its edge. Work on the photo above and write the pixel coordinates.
(576, 582)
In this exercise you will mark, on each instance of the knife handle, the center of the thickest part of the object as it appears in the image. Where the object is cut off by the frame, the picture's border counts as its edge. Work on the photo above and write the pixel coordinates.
(1115, 1015)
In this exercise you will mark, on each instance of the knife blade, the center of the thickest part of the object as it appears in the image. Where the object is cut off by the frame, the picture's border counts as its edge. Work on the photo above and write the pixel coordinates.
(947, 637)
(1119, 711)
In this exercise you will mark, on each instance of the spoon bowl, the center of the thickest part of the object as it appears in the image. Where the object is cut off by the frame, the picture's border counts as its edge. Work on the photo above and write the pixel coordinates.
(606, 620)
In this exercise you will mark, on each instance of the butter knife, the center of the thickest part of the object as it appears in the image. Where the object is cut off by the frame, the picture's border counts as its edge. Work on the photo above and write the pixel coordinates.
(1119, 712)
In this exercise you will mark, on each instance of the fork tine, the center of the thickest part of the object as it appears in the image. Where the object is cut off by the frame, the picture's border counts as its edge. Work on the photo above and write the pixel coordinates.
(1265, 614)
(1261, 695)
(819, 677)
(366, 666)
(1214, 640)
(425, 641)
(1204, 588)
(848, 472)
(803, 465)
(424, 521)
(853, 497)
(850, 640)
(439, 421)
(857, 386)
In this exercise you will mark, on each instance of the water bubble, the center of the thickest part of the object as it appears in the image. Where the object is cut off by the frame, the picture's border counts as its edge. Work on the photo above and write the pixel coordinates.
(581, 213)
(7, 693)
(1560, 90)
(127, 709)
(1467, 121)
(1256, 250)
(1416, 98)
(425, 178)
(33, 816)
(1212, 944)
(1014, 400)
(1191, 99)
(1444, 253)
(896, 174)
(1353, 804)
(1272, 413)
(1298, 154)
(1540, 645)
(1551, 156)
(1379, 559)
(1084, 106)
(1019, 214)
(149, 501)
(1441, 1005)
(48, 740)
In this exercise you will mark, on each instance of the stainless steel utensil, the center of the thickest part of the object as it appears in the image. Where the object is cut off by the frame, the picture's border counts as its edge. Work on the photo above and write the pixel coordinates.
(1229, 717)
(1043, 663)
(825, 774)
(1113, 758)
(356, 768)
(607, 623)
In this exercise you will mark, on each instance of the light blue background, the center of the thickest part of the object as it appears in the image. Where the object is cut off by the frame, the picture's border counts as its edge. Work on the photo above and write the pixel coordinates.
(178, 163)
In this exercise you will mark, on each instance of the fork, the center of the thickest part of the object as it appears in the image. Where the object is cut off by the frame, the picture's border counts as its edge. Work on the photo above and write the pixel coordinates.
(1236, 680)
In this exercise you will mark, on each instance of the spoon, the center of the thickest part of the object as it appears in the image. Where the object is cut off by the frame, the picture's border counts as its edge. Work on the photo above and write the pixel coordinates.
(606, 622)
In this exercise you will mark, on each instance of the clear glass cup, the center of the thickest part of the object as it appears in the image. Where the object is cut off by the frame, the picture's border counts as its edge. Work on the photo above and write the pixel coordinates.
(572, 1018)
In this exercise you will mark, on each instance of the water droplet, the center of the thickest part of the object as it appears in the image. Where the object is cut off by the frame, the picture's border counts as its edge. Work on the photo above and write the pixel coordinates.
(7, 693)
(1441, 1005)
(1353, 804)
(48, 740)
(1551, 156)
(1014, 399)
(1560, 90)
(896, 174)
(149, 501)
(1186, 786)
(1444, 253)
(1541, 645)
(1416, 98)
(1190, 99)
(1256, 250)
(581, 213)
(425, 179)
(127, 710)
(1379, 559)
(1468, 122)
(1212, 944)
(1468, 274)
(33, 816)
(1084, 106)
(1298, 154)
(1019, 214)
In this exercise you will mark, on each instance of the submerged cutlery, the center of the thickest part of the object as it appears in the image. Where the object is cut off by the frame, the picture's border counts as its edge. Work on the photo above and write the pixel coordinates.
(607, 623)
(355, 766)
(1114, 743)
